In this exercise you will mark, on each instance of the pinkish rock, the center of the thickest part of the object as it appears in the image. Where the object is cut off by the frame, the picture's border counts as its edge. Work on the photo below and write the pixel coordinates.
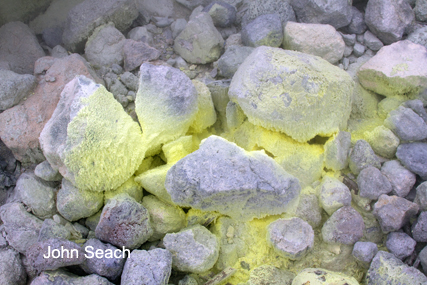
(136, 53)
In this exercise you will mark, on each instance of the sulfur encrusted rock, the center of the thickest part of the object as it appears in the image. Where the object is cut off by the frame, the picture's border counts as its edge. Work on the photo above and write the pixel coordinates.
(383, 141)
(291, 92)
(271, 275)
(362, 156)
(333, 195)
(130, 187)
(206, 115)
(337, 149)
(265, 30)
(319, 276)
(51, 229)
(90, 139)
(153, 181)
(309, 210)
(222, 177)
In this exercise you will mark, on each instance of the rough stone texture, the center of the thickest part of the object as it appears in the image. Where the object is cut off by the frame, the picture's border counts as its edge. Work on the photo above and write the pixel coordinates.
(151, 267)
(364, 251)
(64, 277)
(271, 275)
(406, 124)
(320, 276)
(335, 13)
(358, 50)
(362, 156)
(371, 41)
(124, 222)
(315, 39)
(129, 80)
(419, 228)
(388, 269)
(109, 264)
(89, 138)
(333, 195)
(400, 244)
(88, 15)
(414, 157)
(194, 249)
(51, 229)
(309, 210)
(141, 34)
(223, 14)
(344, 226)
(419, 36)
(418, 107)
(420, 10)
(73, 203)
(199, 42)
(19, 47)
(265, 30)
(130, 187)
(383, 141)
(178, 26)
(14, 87)
(37, 194)
(285, 107)
(44, 171)
(166, 104)
(421, 196)
(104, 46)
(135, 53)
(393, 212)
(232, 58)
(11, 269)
(27, 10)
(423, 258)
(357, 24)
(395, 70)
(336, 151)
(401, 179)
(232, 183)
(372, 183)
(205, 116)
(254, 9)
(22, 124)
(291, 238)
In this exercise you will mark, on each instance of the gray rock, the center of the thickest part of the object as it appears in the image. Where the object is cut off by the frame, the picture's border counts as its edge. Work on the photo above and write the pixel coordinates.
(245, 179)
(400, 244)
(414, 157)
(421, 196)
(199, 42)
(14, 87)
(58, 52)
(141, 34)
(371, 41)
(419, 228)
(124, 222)
(45, 171)
(64, 277)
(388, 19)
(383, 141)
(178, 26)
(423, 258)
(344, 226)
(420, 10)
(103, 259)
(309, 210)
(419, 36)
(418, 107)
(254, 9)
(188, 280)
(362, 156)
(129, 80)
(364, 251)
(333, 195)
(222, 14)
(194, 249)
(349, 39)
(51, 229)
(358, 49)
(357, 24)
(85, 17)
(387, 269)
(401, 179)
(151, 267)
(230, 61)
(393, 212)
(93, 221)
(12, 271)
(406, 124)
(335, 13)
(291, 238)
(22, 54)
(337, 150)
(372, 183)
(265, 30)
(52, 36)
(271, 275)
(135, 53)
(74, 204)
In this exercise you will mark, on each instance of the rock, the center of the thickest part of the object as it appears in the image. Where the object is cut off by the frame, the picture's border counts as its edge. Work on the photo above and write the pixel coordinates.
(199, 42)
(170, 90)
(393, 212)
(104, 46)
(130, 187)
(103, 259)
(85, 17)
(383, 141)
(64, 277)
(178, 26)
(269, 274)
(141, 34)
(194, 249)
(88, 141)
(357, 24)
(206, 115)
(420, 10)
(344, 226)
(59, 52)
(232, 58)
(11, 270)
(349, 39)
(389, 104)
(129, 80)
(394, 70)
(335, 13)
(406, 124)
(362, 156)
(315, 39)
(23, 123)
(414, 157)
(240, 189)
(44, 171)
(319, 276)
(265, 30)
(93, 221)
(151, 267)
(23, 11)
(333, 195)
(222, 14)
(336, 151)
(421, 196)
(401, 179)
(309, 210)
(364, 251)
(419, 36)
(20, 54)
(371, 41)
(280, 107)
(255, 9)
(400, 244)
(418, 107)
(124, 222)
(135, 53)
(73, 203)
(419, 228)
(39, 195)
(52, 36)
(423, 258)
(358, 50)
(388, 269)
(372, 183)
(291, 238)
(51, 229)
(14, 87)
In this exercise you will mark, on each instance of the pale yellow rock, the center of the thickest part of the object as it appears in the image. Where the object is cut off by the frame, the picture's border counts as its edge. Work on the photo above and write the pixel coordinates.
(364, 103)
(130, 187)
(178, 149)
(320, 276)
(153, 181)
(206, 115)
(389, 104)
(383, 141)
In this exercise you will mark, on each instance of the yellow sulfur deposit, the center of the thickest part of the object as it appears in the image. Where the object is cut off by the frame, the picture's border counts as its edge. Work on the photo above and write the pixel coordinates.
(205, 116)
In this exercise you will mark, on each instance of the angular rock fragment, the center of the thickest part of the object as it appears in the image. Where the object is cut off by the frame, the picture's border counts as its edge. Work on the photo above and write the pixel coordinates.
(271, 275)
(256, 9)
(372, 183)
(319, 276)
(135, 53)
(401, 179)
(265, 30)
(51, 229)
(400, 244)
(63, 277)
(14, 87)
(421, 196)
(232, 58)
(414, 157)
(344, 226)
(406, 124)
(223, 14)
(419, 228)
(309, 210)
(357, 24)
(364, 251)
(206, 115)
(333, 195)
(383, 141)
(44, 171)
(337, 150)
(362, 156)
(371, 41)
(11, 268)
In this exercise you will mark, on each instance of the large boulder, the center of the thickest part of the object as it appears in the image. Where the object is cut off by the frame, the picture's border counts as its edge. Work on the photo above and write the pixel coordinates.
(298, 94)
(89, 138)
(222, 177)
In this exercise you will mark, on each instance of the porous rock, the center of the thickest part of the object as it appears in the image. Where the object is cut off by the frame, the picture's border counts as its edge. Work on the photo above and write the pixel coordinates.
(402, 180)
(11, 269)
(14, 87)
(414, 157)
(333, 195)
(372, 183)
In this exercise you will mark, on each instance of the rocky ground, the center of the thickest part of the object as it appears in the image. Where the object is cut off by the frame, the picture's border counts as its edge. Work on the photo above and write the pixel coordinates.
(205, 142)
